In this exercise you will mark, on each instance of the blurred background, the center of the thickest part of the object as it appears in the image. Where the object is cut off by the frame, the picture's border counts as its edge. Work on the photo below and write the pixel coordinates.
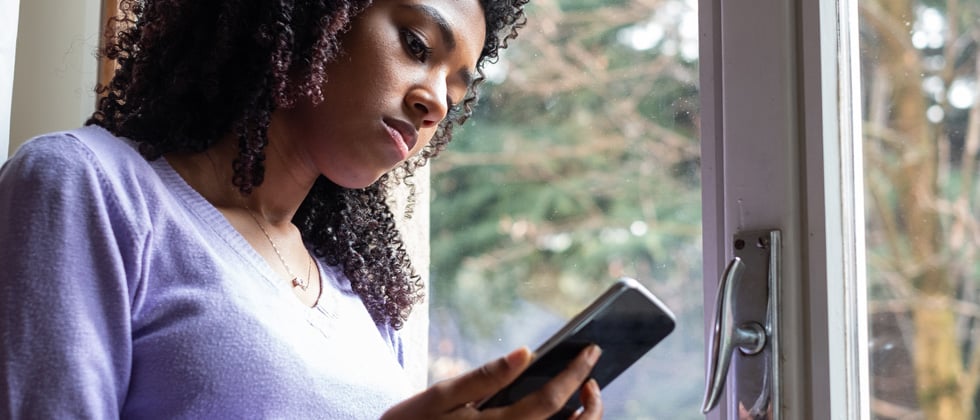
(580, 166)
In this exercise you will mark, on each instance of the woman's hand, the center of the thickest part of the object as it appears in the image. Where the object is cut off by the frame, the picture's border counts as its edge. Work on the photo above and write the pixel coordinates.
(456, 398)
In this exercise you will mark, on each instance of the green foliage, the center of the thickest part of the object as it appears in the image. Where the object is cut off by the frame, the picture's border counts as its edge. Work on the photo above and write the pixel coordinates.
(587, 5)
(580, 168)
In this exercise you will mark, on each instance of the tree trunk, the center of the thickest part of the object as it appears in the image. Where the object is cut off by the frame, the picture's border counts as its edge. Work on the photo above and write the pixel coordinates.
(937, 356)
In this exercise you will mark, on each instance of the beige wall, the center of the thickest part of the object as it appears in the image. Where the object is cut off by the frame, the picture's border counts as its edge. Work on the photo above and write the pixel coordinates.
(8, 42)
(55, 68)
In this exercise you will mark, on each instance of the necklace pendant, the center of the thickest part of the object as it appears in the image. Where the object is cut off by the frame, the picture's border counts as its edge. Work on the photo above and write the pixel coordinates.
(301, 283)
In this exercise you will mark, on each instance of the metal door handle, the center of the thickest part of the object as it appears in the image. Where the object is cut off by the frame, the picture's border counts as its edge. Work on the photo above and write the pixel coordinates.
(747, 318)
(749, 337)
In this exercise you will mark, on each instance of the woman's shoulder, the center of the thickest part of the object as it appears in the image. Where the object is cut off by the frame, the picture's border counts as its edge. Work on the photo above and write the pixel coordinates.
(86, 152)
(75, 167)
(79, 147)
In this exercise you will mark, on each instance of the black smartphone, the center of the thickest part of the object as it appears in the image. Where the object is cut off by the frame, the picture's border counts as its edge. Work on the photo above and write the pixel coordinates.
(626, 321)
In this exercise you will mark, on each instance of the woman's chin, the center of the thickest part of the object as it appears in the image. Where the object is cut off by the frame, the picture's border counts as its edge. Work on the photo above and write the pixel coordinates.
(355, 182)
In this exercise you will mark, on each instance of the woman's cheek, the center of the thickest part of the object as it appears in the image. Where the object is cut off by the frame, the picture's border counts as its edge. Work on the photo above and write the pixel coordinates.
(425, 136)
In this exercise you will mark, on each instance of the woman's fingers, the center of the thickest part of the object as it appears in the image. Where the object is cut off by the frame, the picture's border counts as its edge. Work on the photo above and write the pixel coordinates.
(553, 395)
(452, 394)
(481, 382)
(591, 402)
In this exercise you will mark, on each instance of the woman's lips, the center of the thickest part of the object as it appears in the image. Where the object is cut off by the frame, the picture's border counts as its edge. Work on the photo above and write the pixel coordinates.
(403, 134)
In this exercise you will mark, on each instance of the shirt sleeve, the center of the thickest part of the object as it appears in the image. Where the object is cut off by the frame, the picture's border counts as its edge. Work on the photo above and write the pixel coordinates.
(66, 253)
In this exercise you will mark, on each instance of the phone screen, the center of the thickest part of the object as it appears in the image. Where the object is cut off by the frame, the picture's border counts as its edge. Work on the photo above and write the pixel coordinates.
(626, 322)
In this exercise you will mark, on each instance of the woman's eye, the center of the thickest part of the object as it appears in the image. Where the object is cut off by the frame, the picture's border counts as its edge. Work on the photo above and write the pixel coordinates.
(415, 46)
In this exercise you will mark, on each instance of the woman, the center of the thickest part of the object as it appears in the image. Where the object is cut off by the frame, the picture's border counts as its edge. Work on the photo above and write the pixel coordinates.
(216, 243)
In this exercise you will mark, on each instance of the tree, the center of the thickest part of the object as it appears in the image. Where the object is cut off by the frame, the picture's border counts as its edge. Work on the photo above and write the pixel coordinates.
(923, 236)
(582, 167)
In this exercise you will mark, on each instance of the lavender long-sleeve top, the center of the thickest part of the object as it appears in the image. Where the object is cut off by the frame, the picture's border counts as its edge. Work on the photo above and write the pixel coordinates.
(125, 294)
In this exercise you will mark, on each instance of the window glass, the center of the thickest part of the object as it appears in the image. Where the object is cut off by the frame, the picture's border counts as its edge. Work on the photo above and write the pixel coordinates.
(581, 166)
(921, 137)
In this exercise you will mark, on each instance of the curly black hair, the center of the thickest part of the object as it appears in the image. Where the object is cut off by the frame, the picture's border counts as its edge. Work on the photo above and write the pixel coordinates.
(191, 71)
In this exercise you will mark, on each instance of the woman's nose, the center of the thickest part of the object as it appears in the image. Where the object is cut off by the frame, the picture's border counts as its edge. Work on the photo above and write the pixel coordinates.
(428, 102)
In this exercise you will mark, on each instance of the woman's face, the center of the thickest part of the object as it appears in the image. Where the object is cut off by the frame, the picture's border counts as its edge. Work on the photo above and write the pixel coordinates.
(405, 63)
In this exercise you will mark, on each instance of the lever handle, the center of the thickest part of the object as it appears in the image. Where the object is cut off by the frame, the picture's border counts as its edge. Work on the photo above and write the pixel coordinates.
(749, 337)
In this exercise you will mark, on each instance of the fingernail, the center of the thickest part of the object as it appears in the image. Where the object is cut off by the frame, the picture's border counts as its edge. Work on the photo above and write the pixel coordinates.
(594, 352)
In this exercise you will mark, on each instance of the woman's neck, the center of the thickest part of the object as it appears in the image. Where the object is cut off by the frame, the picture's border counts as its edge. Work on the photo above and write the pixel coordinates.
(285, 185)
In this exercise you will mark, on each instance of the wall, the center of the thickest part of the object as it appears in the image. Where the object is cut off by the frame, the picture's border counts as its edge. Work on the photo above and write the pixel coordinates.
(55, 68)
(8, 42)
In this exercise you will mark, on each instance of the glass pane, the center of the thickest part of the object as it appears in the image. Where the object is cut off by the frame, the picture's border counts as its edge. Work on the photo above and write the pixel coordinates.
(581, 165)
(921, 138)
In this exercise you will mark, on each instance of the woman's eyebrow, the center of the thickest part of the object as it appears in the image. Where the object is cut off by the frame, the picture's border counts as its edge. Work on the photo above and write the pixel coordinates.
(430, 12)
(448, 36)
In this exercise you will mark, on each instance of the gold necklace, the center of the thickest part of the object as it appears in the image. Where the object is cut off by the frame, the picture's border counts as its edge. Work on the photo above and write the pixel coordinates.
(297, 281)
(302, 283)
